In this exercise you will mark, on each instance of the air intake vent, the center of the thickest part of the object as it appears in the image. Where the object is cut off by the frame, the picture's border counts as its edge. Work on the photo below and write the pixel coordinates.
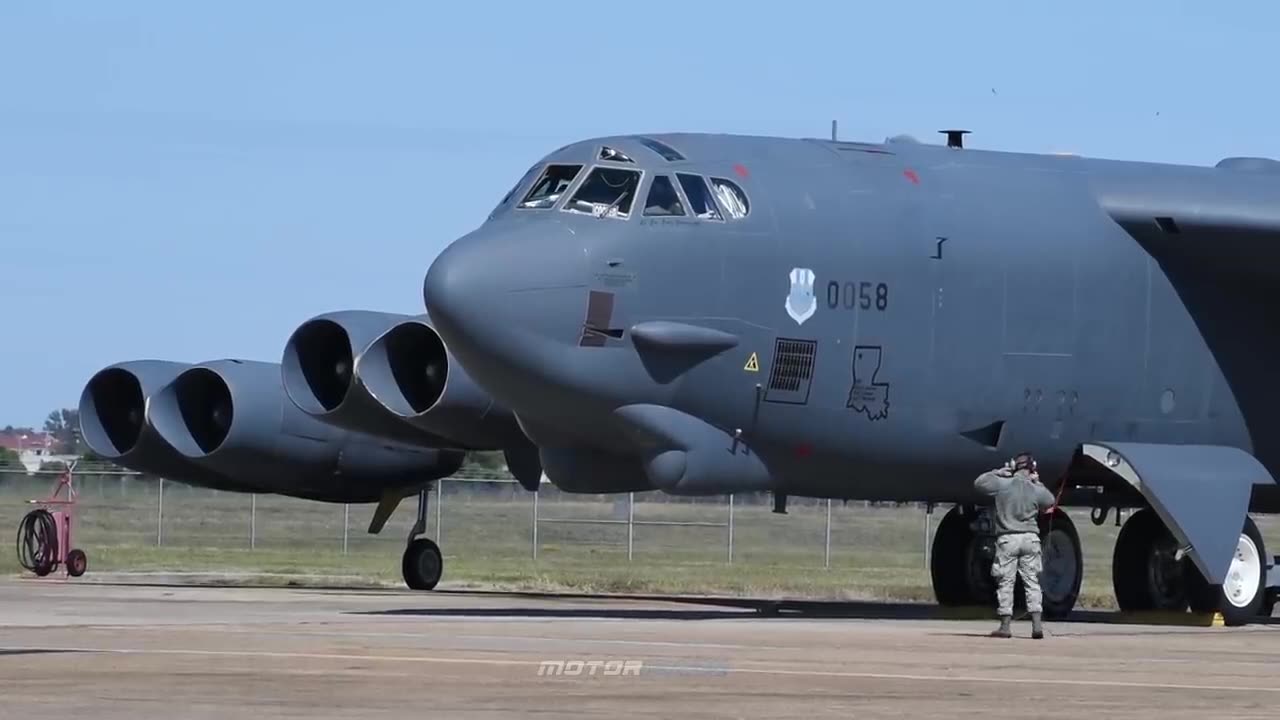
(791, 371)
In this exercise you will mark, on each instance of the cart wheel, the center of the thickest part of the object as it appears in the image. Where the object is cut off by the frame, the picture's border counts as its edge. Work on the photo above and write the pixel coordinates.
(42, 569)
(77, 563)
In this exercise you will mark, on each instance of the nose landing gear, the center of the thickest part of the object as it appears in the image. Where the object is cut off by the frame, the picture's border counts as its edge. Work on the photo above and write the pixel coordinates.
(422, 564)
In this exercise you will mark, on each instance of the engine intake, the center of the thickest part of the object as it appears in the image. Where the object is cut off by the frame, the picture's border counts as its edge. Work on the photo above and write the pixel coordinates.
(112, 412)
(115, 423)
(410, 371)
(232, 417)
(318, 372)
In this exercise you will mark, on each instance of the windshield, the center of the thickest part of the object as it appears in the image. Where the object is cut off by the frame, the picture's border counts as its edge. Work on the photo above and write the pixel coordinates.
(554, 181)
(607, 192)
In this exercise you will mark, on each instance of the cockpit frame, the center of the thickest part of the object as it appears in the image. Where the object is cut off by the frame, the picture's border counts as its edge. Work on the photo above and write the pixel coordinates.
(647, 176)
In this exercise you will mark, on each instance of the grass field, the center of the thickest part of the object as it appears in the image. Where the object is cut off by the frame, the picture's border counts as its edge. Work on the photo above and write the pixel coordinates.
(875, 552)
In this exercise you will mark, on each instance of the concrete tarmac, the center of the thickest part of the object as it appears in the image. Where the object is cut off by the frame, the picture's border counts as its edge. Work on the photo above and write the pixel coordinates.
(79, 649)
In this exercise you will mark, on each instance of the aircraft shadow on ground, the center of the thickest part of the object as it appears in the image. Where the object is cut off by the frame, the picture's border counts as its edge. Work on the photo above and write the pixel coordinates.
(717, 608)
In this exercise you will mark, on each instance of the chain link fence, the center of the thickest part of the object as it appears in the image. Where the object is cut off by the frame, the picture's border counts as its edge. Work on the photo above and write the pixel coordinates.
(493, 531)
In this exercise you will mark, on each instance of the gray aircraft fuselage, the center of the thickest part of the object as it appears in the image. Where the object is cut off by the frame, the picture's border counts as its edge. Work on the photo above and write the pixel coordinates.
(963, 305)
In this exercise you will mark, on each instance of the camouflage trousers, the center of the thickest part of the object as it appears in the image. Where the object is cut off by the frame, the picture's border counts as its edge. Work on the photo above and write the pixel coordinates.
(1017, 554)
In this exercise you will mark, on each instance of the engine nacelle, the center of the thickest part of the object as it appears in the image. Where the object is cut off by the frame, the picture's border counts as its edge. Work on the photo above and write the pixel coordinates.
(318, 372)
(410, 371)
(115, 424)
(233, 417)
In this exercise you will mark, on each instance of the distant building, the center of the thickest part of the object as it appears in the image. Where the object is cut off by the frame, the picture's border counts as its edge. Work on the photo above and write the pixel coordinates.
(21, 442)
(34, 449)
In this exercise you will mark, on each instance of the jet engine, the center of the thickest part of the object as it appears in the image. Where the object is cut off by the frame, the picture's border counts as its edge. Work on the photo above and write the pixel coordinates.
(232, 417)
(115, 425)
(318, 371)
(409, 371)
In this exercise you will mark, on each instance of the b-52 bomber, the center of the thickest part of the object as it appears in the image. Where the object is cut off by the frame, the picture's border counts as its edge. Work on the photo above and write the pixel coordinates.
(704, 314)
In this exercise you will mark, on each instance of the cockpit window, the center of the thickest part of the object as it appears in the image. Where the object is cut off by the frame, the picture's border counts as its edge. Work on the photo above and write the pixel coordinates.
(554, 181)
(731, 197)
(607, 192)
(695, 188)
(519, 184)
(613, 155)
(663, 198)
(667, 152)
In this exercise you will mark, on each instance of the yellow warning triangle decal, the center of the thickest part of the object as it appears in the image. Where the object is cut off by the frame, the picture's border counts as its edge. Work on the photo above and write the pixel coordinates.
(753, 364)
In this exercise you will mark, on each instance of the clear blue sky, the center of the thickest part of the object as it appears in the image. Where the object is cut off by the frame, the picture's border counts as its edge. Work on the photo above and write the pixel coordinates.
(190, 181)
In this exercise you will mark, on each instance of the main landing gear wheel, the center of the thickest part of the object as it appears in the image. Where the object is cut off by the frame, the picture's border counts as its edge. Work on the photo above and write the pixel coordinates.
(960, 564)
(1146, 573)
(1063, 564)
(962, 558)
(422, 564)
(1241, 596)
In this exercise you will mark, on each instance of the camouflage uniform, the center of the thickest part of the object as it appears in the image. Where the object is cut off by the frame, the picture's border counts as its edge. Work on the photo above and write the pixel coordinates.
(1017, 554)
(1019, 499)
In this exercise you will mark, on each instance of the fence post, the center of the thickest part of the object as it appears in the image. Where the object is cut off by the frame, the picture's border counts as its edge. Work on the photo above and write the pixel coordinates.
(160, 515)
(346, 523)
(535, 525)
(928, 510)
(826, 553)
(253, 521)
(730, 550)
(631, 523)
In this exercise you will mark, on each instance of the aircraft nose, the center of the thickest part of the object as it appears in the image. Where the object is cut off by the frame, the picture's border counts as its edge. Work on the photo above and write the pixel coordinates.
(455, 286)
(486, 284)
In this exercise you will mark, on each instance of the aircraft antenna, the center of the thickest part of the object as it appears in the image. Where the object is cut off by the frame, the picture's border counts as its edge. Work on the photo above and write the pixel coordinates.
(955, 138)
(833, 131)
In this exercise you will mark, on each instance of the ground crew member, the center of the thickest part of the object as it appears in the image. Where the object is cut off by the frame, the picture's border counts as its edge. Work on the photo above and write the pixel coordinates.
(1019, 499)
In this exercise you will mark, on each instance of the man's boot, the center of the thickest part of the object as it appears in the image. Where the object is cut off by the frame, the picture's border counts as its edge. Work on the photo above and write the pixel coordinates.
(1037, 631)
(1004, 631)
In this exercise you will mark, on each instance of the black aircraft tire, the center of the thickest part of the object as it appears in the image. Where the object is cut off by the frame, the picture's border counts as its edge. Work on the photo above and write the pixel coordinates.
(1134, 574)
(949, 560)
(1129, 562)
(1058, 532)
(422, 564)
(1206, 598)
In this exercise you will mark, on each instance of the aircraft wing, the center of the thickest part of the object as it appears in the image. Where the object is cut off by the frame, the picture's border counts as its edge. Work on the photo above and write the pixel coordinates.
(1230, 226)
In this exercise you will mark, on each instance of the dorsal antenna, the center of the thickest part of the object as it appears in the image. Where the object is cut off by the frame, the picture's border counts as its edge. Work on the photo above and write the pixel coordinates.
(955, 138)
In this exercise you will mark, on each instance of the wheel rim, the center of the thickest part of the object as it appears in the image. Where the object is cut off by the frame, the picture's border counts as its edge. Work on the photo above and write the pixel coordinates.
(1241, 584)
(1060, 564)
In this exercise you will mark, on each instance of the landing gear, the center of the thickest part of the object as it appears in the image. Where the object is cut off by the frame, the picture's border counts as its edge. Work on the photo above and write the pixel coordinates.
(1146, 571)
(964, 549)
(960, 564)
(1149, 573)
(422, 563)
(1063, 561)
